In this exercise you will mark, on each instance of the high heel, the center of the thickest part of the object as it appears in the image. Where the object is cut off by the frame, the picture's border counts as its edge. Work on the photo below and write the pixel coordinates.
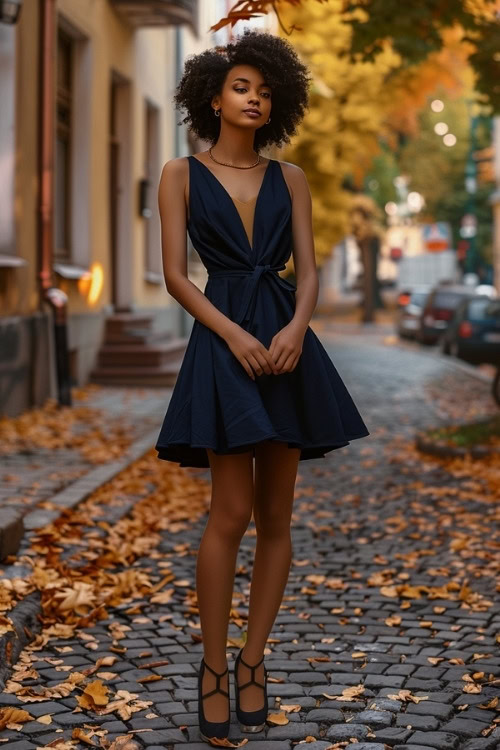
(209, 729)
(250, 721)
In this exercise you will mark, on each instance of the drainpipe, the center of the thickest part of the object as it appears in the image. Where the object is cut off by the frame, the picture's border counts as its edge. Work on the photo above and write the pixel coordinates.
(55, 297)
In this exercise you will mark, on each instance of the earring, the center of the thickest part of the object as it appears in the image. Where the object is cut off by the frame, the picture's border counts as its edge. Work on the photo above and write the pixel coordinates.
(217, 112)
(267, 123)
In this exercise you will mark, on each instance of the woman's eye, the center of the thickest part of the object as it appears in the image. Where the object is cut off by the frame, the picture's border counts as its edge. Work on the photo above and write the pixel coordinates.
(265, 93)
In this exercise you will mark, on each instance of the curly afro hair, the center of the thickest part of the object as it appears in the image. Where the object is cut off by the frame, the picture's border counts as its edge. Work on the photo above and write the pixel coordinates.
(204, 75)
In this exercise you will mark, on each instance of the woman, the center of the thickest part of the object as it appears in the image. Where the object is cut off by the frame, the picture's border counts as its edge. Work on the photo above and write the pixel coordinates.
(255, 381)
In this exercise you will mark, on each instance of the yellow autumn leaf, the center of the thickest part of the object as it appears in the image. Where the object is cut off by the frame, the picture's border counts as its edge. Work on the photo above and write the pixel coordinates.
(11, 715)
(393, 620)
(98, 692)
(280, 719)
(125, 742)
(45, 719)
(79, 734)
(389, 591)
(472, 688)
(223, 742)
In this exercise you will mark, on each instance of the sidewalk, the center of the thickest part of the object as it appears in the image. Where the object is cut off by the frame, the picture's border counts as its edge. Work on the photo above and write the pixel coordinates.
(52, 458)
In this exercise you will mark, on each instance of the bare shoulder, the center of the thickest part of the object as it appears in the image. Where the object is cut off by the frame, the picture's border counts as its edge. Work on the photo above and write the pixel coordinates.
(289, 168)
(294, 177)
(173, 180)
(176, 167)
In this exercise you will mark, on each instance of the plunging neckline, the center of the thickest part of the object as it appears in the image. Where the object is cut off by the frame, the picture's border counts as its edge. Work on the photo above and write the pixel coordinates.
(230, 197)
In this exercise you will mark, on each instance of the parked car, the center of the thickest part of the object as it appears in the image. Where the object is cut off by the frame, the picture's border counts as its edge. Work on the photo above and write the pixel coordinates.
(410, 304)
(474, 331)
(439, 310)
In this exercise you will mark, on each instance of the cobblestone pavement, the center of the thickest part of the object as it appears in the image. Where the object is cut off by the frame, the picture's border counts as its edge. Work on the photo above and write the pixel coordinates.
(35, 472)
(381, 536)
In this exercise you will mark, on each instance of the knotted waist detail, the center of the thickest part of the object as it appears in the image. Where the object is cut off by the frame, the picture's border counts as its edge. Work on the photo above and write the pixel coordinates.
(248, 298)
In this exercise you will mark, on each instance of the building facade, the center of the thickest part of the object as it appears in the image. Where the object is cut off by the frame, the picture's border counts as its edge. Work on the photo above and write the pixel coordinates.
(86, 124)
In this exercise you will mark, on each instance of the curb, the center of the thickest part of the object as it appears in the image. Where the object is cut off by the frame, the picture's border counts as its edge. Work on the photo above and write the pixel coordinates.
(78, 491)
(444, 450)
(25, 615)
(26, 623)
(11, 531)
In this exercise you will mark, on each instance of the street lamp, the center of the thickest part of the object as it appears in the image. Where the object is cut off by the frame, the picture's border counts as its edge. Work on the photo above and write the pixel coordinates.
(10, 11)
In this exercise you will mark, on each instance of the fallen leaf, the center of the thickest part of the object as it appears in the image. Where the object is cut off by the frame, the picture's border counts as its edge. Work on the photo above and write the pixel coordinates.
(280, 719)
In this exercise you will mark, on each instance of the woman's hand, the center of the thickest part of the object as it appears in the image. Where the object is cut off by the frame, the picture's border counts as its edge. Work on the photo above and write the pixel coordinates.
(251, 353)
(286, 346)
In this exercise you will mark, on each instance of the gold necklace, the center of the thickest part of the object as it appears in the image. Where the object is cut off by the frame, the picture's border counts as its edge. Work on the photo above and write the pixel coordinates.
(225, 164)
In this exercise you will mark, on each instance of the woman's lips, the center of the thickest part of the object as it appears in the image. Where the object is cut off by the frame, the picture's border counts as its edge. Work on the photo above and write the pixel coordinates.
(251, 113)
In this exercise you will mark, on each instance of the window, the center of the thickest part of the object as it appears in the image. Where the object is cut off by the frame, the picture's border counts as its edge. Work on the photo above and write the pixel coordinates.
(62, 197)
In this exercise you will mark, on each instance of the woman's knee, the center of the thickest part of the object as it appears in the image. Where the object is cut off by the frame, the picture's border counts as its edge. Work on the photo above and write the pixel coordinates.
(232, 493)
(231, 521)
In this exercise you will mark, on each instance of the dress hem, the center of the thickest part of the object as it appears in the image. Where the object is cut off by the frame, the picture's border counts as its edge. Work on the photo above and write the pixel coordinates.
(308, 451)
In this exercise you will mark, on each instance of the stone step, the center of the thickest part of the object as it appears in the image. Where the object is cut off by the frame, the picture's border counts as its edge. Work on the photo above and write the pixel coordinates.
(141, 355)
(162, 375)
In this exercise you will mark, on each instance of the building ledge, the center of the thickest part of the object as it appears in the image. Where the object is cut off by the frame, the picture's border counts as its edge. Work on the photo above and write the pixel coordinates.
(12, 261)
(152, 277)
(139, 13)
(72, 271)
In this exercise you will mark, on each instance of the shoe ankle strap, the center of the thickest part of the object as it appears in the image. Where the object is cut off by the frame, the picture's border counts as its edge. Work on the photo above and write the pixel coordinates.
(218, 676)
(252, 668)
(249, 665)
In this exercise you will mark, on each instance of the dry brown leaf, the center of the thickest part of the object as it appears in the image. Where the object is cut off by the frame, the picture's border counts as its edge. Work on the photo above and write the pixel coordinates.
(407, 695)
(79, 734)
(45, 719)
(472, 688)
(279, 719)
(393, 620)
(11, 715)
(125, 742)
(493, 703)
(348, 694)
(226, 742)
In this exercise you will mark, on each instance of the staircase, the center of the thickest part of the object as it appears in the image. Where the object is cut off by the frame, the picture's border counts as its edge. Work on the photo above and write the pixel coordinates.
(133, 354)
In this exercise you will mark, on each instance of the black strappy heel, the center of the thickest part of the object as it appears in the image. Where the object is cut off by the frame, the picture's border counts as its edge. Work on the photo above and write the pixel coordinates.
(250, 721)
(209, 729)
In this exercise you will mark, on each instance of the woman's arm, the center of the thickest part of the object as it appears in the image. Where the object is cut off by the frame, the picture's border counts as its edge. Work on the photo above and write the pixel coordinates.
(286, 344)
(172, 206)
(304, 258)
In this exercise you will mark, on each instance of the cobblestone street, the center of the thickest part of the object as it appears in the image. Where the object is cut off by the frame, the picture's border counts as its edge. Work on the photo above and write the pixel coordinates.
(391, 595)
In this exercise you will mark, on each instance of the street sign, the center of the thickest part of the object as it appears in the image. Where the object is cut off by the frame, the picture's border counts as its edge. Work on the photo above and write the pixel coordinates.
(437, 236)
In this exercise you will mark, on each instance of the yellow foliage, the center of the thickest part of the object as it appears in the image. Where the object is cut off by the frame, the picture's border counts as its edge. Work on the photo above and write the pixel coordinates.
(352, 103)
(348, 103)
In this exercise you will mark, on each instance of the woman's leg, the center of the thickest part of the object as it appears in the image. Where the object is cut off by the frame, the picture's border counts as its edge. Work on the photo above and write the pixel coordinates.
(229, 516)
(275, 474)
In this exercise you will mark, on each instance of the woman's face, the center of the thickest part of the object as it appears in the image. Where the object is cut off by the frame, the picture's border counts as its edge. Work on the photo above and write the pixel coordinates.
(244, 89)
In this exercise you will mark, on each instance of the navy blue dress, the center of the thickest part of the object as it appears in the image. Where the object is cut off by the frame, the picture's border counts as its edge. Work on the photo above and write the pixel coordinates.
(214, 402)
